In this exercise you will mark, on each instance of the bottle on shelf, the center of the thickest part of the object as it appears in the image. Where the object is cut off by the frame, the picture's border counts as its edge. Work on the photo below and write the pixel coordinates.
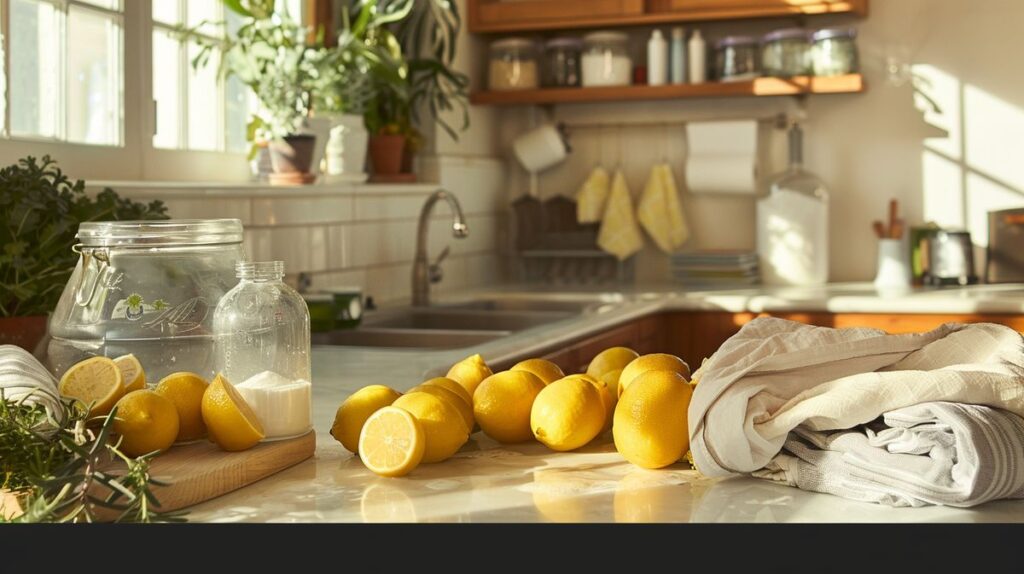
(678, 56)
(698, 58)
(657, 59)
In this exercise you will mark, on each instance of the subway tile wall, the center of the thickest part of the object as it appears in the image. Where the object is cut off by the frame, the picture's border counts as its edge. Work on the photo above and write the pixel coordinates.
(360, 234)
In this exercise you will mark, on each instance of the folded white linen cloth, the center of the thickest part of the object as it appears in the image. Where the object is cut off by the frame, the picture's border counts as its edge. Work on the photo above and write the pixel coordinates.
(776, 375)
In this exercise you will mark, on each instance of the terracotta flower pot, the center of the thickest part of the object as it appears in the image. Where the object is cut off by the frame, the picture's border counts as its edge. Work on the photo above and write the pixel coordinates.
(293, 154)
(25, 332)
(386, 153)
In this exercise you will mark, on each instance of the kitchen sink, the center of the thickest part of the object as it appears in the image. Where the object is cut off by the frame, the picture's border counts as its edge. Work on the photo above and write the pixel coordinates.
(406, 338)
(519, 305)
(464, 319)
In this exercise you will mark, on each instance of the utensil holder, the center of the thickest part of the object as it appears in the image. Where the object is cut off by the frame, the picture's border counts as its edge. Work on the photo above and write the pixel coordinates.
(893, 264)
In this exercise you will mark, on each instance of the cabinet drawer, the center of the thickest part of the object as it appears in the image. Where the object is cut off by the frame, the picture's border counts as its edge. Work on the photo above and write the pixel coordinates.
(509, 13)
(755, 8)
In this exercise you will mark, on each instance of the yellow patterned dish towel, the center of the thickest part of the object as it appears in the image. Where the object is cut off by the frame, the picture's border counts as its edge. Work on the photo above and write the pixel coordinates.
(620, 234)
(592, 196)
(660, 212)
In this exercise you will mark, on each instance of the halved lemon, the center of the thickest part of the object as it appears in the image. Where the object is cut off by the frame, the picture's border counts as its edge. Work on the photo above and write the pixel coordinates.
(132, 371)
(96, 381)
(392, 442)
(230, 421)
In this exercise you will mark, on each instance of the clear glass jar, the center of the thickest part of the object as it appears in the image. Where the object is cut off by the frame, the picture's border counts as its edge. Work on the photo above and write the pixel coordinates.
(513, 65)
(605, 60)
(736, 59)
(562, 62)
(786, 53)
(834, 51)
(147, 288)
(263, 348)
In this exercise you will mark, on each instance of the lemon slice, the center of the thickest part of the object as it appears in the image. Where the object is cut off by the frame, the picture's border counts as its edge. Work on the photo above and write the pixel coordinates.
(230, 421)
(97, 382)
(392, 442)
(132, 371)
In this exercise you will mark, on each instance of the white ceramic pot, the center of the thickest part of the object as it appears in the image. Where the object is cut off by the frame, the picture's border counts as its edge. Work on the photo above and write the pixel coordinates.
(321, 128)
(346, 147)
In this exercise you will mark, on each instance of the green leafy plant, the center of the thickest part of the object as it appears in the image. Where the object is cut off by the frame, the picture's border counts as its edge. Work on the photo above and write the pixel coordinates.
(41, 209)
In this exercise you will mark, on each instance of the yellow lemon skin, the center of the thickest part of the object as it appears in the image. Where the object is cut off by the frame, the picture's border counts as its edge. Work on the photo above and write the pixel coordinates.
(611, 379)
(545, 370)
(453, 387)
(650, 420)
(502, 405)
(652, 362)
(186, 391)
(567, 414)
(146, 421)
(97, 382)
(353, 412)
(608, 399)
(230, 421)
(469, 373)
(392, 442)
(611, 359)
(443, 427)
(132, 371)
(465, 411)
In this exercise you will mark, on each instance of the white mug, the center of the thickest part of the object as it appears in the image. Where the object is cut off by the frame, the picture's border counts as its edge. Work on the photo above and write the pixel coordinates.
(541, 148)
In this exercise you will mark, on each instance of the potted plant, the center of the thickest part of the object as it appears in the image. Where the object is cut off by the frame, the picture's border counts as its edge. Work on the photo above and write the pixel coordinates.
(41, 211)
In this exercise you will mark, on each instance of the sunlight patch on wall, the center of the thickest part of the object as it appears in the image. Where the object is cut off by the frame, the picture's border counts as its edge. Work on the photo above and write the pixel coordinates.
(994, 137)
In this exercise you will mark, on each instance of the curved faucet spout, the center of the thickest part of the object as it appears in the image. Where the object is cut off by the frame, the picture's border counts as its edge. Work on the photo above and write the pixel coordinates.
(423, 273)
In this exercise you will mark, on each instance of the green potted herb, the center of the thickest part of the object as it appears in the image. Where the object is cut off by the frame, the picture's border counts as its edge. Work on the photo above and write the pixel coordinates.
(41, 211)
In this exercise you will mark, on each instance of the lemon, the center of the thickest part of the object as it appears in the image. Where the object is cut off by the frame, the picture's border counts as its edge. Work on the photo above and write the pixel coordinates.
(186, 391)
(502, 405)
(608, 398)
(545, 370)
(96, 381)
(229, 419)
(611, 378)
(453, 387)
(567, 414)
(132, 371)
(465, 411)
(146, 421)
(470, 372)
(652, 362)
(391, 442)
(353, 412)
(443, 427)
(612, 359)
(650, 420)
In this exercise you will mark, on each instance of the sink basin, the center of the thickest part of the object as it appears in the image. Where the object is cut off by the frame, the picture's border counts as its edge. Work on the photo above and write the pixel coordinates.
(464, 319)
(406, 338)
(520, 305)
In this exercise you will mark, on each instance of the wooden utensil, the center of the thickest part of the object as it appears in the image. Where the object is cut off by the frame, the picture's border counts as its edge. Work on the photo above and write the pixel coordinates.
(879, 228)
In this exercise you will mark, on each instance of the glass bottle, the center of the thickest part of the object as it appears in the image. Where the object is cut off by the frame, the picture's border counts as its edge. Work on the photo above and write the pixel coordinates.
(792, 224)
(263, 347)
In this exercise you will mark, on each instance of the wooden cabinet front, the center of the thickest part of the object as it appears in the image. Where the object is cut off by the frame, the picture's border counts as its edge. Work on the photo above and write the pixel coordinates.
(756, 8)
(542, 14)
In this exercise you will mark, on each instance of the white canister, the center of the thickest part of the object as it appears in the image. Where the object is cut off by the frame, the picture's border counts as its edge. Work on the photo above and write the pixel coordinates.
(540, 148)
(893, 265)
(346, 147)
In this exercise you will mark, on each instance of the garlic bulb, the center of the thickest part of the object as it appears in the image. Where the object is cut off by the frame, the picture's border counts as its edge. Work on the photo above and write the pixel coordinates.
(24, 379)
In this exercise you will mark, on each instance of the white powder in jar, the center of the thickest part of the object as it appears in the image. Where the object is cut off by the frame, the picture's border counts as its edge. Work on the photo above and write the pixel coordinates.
(284, 406)
(606, 68)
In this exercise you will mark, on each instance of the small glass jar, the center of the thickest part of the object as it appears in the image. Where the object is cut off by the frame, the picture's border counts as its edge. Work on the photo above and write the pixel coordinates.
(834, 51)
(736, 59)
(562, 62)
(513, 65)
(786, 53)
(605, 60)
(261, 329)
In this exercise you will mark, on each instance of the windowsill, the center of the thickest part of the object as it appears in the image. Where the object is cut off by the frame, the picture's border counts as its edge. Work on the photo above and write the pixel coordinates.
(166, 189)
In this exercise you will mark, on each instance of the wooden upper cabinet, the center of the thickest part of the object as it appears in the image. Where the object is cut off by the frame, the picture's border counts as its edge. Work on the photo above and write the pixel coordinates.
(496, 16)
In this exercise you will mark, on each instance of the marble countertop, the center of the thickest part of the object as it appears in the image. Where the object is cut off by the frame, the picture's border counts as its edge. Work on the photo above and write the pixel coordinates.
(489, 482)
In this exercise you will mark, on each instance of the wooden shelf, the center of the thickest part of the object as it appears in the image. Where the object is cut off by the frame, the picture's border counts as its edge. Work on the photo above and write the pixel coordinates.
(802, 85)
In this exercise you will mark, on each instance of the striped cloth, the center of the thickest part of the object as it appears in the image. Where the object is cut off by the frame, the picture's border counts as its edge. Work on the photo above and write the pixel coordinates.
(660, 212)
(619, 233)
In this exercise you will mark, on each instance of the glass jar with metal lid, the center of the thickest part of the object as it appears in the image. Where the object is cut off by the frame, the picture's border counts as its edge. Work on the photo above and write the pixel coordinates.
(147, 288)
(736, 58)
(786, 52)
(605, 60)
(513, 65)
(562, 62)
(834, 51)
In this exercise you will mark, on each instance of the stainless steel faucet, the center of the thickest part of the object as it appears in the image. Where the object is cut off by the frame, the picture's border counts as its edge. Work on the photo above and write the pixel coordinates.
(423, 274)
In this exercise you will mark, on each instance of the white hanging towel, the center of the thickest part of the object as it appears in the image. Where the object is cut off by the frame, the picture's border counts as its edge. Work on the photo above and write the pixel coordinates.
(620, 234)
(592, 196)
(660, 212)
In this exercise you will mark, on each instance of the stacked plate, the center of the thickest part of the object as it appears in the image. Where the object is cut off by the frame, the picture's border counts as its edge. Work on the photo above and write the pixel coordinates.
(23, 379)
(716, 269)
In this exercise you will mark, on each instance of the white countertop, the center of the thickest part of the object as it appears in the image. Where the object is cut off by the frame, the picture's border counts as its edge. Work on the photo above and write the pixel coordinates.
(489, 482)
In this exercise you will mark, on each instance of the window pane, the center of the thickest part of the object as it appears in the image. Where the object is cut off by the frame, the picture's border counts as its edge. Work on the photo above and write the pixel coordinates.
(292, 8)
(167, 89)
(35, 66)
(108, 4)
(199, 11)
(203, 104)
(236, 114)
(94, 77)
(167, 11)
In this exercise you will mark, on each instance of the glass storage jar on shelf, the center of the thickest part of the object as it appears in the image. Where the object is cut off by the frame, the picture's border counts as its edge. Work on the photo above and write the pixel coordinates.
(834, 51)
(736, 59)
(513, 65)
(605, 60)
(147, 288)
(262, 346)
(562, 62)
(786, 53)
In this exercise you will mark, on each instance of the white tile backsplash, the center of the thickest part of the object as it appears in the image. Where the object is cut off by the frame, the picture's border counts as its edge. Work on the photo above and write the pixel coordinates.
(208, 208)
(301, 210)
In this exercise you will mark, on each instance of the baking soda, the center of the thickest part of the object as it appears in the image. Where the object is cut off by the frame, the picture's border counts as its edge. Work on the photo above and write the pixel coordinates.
(284, 406)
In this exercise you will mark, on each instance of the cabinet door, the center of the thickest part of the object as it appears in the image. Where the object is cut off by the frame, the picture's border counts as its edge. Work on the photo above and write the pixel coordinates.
(534, 14)
(755, 8)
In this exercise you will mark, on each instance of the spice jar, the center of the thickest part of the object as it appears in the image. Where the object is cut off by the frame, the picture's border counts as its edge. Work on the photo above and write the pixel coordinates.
(562, 62)
(513, 65)
(736, 58)
(261, 330)
(834, 51)
(786, 52)
(606, 60)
